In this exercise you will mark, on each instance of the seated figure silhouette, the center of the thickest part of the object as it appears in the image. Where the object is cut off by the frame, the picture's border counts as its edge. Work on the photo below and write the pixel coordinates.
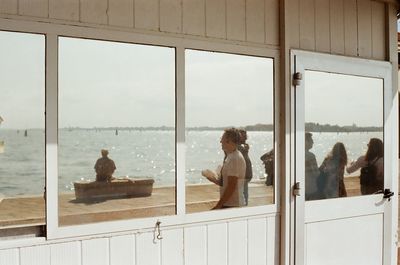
(104, 167)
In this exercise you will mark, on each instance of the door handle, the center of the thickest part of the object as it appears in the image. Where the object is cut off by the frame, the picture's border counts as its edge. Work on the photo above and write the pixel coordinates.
(387, 194)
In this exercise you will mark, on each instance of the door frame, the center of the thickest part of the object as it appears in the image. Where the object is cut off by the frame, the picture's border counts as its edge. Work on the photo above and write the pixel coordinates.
(304, 60)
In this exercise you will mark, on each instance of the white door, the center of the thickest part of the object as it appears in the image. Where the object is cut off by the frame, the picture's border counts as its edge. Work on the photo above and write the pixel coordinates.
(344, 119)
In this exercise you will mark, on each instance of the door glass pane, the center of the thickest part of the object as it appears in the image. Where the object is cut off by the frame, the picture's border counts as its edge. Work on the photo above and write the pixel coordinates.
(225, 91)
(116, 131)
(344, 135)
(22, 129)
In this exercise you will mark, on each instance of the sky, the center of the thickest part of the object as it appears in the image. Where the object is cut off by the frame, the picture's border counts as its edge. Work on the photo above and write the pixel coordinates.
(107, 84)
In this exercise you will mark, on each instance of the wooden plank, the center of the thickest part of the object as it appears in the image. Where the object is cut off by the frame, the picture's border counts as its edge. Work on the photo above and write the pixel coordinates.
(236, 20)
(38, 255)
(216, 18)
(322, 26)
(307, 20)
(337, 27)
(172, 247)
(9, 7)
(195, 245)
(147, 249)
(65, 253)
(64, 9)
(364, 28)
(95, 251)
(294, 23)
(378, 31)
(217, 244)
(147, 14)
(350, 28)
(34, 8)
(194, 21)
(237, 243)
(272, 22)
(171, 16)
(122, 250)
(9, 257)
(257, 230)
(120, 13)
(94, 11)
(255, 21)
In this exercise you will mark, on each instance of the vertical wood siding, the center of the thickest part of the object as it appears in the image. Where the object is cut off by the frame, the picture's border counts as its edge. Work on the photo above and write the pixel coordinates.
(194, 21)
(64, 9)
(216, 18)
(120, 13)
(96, 251)
(9, 6)
(9, 257)
(122, 250)
(65, 253)
(236, 20)
(39, 255)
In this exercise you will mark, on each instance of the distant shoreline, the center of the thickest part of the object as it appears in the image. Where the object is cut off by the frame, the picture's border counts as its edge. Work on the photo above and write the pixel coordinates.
(311, 127)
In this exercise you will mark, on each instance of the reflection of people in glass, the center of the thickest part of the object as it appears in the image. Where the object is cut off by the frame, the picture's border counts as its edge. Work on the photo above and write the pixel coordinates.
(104, 167)
(311, 168)
(268, 160)
(331, 183)
(243, 148)
(233, 172)
(373, 160)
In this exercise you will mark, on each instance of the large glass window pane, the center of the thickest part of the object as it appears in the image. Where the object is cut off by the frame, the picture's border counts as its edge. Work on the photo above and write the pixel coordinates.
(22, 129)
(116, 131)
(225, 91)
(344, 135)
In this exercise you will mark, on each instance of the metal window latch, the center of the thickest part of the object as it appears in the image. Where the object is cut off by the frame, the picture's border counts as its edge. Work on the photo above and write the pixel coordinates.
(387, 193)
(297, 77)
(296, 189)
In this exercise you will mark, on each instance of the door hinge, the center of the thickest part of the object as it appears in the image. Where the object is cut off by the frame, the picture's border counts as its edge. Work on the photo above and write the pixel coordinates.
(297, 77)
(296, 189)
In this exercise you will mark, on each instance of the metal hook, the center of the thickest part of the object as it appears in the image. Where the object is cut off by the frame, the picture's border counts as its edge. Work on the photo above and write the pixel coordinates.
(159, 237)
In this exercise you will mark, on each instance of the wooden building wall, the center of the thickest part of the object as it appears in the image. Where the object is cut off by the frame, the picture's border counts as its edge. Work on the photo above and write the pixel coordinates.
(346, 27)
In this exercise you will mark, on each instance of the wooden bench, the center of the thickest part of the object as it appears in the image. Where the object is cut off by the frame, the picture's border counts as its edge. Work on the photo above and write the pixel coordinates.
(119, 187)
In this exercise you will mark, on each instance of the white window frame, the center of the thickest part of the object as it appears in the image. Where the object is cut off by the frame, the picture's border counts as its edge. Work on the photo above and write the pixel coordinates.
(52, 32)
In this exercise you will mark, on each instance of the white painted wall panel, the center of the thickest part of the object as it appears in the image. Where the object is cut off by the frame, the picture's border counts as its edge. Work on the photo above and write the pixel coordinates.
(273, 240)
(172, 247)
(34, 8)
(122, 250)
(272, 27)
(216, 18)
(350, 28)
(9, 6)
(94, 11)
(195, 244)
(120, 13)
(364, 28)
(64, 9)
(255, 21)
(38, 255)
(65, 253)
(171, 16)
(355, 241)
(217, 244)
(194, 18)
(337, 27)
(307, 24)
(147, 14)
(9, 257)
(237, 243)
(257, 230)
(236, 20)
(378, 31)
(322, 26)
(147, 250)
(96, 251)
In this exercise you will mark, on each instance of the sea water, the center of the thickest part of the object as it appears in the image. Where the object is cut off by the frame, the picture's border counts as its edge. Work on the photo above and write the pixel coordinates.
(137, 153)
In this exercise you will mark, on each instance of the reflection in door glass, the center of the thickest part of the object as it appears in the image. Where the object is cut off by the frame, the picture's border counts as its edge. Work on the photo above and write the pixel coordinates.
(344, 135)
